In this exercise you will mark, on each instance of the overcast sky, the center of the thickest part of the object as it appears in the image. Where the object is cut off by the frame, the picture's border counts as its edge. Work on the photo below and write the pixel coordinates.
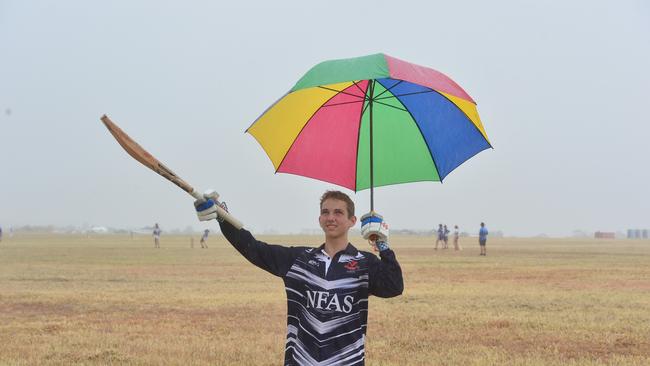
(562, 89)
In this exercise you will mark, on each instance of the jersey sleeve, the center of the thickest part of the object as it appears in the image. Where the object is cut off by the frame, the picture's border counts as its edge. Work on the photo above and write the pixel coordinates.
(385, 275)
(275, 259)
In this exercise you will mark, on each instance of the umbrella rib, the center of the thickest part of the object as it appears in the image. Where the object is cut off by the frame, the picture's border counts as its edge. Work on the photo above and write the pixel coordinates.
(342, 103)
(343, 92)
(358, 87)
(386, 90)
(364, 109)
(392, 106)
(407, 94)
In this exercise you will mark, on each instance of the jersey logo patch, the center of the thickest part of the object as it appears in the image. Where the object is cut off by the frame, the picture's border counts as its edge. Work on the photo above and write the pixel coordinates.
(352, 265)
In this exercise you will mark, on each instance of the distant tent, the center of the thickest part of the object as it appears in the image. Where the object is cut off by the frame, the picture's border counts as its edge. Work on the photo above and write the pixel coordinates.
(99, 230)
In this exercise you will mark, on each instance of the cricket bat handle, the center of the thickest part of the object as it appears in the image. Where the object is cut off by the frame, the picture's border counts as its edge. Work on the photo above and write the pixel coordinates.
(220, 211)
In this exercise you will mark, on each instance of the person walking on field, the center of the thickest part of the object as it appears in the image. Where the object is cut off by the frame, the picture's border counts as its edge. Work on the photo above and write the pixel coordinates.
(204, 239)
(456, 236)
(482, 238)
(445, 237)
(327, 287)
(440, 236)
(156, 236)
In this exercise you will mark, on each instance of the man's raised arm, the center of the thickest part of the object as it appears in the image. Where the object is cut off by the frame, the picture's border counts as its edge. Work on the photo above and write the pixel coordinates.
(275, 259)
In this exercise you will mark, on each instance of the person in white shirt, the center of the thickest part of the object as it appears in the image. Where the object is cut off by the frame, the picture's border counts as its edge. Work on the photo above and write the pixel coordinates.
(456, 235)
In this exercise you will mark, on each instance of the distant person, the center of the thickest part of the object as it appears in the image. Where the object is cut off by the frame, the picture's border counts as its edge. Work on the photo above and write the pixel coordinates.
(204, 239)
(440, 236)
(156, 236)
(482, 238)
(456, 236)
(0, 233)
(445, 237)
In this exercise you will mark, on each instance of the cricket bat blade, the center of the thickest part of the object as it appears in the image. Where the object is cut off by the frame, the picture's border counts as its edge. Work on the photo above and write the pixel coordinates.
(145, 158)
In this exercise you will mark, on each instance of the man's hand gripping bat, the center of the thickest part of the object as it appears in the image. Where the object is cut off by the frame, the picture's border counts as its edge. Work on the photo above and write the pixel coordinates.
(141, 155)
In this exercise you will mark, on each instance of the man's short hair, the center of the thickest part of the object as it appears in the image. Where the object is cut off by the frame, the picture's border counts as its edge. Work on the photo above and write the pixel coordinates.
(338, 195)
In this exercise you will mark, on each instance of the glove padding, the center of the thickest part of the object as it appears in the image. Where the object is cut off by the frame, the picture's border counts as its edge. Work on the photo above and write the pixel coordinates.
(206, 208)
(381, 246)
(374, 228)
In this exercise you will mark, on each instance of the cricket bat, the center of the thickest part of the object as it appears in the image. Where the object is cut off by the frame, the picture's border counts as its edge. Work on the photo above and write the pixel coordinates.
(140, 154)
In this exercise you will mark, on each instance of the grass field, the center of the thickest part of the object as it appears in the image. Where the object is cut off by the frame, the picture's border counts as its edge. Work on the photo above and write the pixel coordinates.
(115, 300)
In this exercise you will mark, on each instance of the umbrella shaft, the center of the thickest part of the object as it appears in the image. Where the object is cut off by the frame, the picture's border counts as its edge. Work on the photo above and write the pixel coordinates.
(371, 88)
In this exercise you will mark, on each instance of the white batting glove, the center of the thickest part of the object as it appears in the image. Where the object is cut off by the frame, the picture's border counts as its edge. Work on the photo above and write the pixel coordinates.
(374, 228)
(206, 208)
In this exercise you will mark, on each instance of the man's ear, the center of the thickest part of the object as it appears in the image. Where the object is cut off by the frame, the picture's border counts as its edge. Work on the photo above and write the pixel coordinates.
(354, 220)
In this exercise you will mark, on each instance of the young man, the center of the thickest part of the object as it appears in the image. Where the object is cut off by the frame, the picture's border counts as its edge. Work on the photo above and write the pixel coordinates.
(327, 287)
(456, 236)
(482, 238)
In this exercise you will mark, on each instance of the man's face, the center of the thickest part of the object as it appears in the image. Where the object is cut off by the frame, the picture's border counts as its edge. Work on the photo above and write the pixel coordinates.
(334, 218)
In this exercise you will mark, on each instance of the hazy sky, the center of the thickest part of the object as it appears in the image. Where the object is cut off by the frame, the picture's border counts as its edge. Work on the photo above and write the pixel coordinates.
(562, 88)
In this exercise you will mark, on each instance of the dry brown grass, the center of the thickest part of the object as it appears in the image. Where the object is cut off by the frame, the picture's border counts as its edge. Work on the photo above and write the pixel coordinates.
(111, 300)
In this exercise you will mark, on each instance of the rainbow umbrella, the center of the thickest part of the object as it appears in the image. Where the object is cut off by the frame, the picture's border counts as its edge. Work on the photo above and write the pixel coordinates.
(371, 121)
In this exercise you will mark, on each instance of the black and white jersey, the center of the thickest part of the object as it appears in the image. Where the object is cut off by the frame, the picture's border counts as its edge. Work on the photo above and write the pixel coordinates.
(327, 298)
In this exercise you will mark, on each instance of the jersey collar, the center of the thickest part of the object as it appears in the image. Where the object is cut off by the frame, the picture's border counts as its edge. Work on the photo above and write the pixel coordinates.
(350, 249)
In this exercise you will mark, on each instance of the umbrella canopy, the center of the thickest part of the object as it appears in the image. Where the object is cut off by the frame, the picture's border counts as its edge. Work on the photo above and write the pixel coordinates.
(371, 121)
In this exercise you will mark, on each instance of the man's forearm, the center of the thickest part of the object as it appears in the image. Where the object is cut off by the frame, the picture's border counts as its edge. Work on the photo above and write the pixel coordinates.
(389, 280)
